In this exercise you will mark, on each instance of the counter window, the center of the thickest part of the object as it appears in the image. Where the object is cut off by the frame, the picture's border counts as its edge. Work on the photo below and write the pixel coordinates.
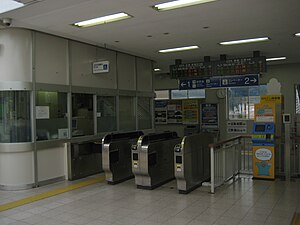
(15, 124)
(82, 115)
(51, 115)
(144, 113)
(106, 114)
(127, 111)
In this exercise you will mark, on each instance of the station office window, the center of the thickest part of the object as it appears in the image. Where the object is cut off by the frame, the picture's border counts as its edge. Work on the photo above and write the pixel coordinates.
(106, 114)
(241, 101)
(15, 125)
(127, 113)
(82, 114)
(51, 115)
(144, 113)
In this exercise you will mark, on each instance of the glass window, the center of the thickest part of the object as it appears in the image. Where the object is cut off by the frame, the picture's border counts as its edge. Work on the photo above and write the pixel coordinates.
(241, 101)
(127, 113)
(15, 125)
(82, 114)
(197, 93)
(144, 113)
(179, 94)
(106, 114)
(51, 115)
(163, 94)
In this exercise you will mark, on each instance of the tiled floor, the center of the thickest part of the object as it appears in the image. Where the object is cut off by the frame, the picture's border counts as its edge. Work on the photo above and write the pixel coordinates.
(246, 202)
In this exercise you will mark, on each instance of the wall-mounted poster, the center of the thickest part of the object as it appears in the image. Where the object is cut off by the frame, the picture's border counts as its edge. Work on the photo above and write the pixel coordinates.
(209, 115)
(174, 112)
(190, 111)
(160, 111)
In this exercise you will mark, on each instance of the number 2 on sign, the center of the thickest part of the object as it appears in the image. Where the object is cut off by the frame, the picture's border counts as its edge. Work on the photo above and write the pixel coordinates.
(247, 79)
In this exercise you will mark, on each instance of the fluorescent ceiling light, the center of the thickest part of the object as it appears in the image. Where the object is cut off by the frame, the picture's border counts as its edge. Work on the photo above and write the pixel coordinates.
(8, 5)
(156, 70)
(276, 58)
(178, 49)
(179, 4)
(244, 41)
(103, 20)
(297, 34)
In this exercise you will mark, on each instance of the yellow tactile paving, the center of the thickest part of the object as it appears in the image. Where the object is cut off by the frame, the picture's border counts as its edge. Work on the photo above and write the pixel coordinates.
(48, 194)
(296, 219)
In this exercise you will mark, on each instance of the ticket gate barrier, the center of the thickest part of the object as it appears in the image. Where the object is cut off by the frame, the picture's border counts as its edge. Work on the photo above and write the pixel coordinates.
(116, 156)
(152, 159)
(192, 161)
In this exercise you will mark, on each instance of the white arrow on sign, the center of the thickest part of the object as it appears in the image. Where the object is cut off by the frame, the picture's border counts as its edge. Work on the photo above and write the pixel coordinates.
(183, 84)
(253, 80)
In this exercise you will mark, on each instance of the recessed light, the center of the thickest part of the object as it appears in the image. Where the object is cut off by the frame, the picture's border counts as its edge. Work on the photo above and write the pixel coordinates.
(179, 4)
(276, 58)
(245, 41)
(297, 34)
(103, 20)
(156, 70)
(186, 48)
(8, 5)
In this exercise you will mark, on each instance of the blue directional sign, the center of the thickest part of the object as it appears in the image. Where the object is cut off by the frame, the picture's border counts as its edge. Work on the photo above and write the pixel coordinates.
(219, 81)
(236, 81)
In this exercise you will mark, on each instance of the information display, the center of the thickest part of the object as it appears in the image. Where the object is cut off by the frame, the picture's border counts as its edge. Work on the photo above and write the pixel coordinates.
(219, 82)
(248, 65)
(209, 115)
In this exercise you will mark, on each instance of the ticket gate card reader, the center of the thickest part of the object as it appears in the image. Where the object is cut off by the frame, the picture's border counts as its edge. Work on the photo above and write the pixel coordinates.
(263, 157)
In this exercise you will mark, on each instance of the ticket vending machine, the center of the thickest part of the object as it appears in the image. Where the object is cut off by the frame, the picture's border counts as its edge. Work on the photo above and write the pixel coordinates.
(263, 150)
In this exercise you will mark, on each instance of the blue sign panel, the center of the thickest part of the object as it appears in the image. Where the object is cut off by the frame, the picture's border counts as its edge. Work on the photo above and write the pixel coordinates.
(235, 81)
(220, 81)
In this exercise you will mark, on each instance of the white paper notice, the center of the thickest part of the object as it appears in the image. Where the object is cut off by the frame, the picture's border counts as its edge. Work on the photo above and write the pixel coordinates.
(42, 112)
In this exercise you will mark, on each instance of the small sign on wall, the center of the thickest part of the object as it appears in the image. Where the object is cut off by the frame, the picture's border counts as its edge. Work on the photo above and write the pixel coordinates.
(100, 67)
(42, 112)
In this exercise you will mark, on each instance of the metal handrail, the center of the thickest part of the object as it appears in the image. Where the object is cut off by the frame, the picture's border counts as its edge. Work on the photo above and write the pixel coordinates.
(216, 146)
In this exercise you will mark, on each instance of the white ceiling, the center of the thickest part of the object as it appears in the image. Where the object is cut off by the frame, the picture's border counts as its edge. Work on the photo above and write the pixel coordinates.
(225, 19)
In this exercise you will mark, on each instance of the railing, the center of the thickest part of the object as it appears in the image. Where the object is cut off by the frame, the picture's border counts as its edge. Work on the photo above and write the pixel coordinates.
(230, 158)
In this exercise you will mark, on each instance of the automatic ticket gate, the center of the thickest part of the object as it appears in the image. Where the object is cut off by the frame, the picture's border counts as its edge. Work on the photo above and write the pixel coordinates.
(152, 159)
(116, 156)
(192, 161)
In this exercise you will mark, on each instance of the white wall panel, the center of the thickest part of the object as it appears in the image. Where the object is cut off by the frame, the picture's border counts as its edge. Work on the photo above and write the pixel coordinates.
(81, 58)
(15, 55)
(126, 72)
(51, 163)
(144, 75)
(16, 169)
(51, 58)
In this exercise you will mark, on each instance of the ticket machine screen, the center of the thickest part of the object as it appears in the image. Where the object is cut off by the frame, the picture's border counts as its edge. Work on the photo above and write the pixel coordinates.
(260, 128)
(263, 132)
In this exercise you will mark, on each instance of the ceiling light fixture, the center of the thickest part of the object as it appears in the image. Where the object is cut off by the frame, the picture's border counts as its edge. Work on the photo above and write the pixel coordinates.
(178, 49)
(156, 70)
(179, 4)
(103, 20)
(245, 41)
(276, 58)
(297, 34)
(8, 5)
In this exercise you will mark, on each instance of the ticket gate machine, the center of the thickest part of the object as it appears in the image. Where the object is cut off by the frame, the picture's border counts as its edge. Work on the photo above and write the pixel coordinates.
(192, 161)
(116, 156)
(153, 159)
(263, 139)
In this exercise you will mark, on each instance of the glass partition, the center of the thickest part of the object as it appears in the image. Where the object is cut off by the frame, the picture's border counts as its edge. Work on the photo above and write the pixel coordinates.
(82, 114)
(15, 124)
(127, 113)
(144, 113)
(106, 114)
(51, 115)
